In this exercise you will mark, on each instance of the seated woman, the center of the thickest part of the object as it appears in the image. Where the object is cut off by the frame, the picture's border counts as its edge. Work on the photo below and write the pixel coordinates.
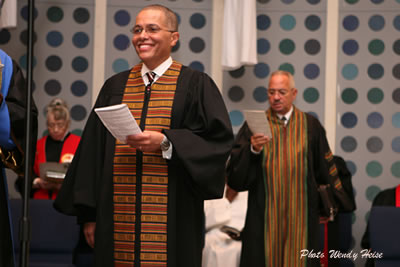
(58, 146)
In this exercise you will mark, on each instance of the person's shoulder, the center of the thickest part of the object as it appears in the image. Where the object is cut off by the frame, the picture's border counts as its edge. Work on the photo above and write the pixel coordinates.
(74, 137)
(42, 139)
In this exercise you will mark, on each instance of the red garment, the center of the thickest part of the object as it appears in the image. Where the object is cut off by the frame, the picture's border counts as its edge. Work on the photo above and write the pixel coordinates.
(67, 153)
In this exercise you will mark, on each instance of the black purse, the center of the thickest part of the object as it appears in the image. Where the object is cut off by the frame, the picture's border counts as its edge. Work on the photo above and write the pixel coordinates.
(329, 207)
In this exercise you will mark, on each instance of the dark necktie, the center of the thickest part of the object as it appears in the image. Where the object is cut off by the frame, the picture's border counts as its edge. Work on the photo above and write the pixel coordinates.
(283, 119)
(150, 77)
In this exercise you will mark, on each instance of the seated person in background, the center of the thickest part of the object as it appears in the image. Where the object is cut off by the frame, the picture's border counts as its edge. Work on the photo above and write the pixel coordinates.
(58, 146)
(224, 222)
(384, 198)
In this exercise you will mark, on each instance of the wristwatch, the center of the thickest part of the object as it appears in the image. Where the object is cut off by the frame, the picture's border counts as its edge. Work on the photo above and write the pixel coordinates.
(165, 144)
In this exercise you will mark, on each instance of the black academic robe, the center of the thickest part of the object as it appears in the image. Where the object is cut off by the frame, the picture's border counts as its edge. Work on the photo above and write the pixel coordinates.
(202, 138)
(244, 172)
(386, 197)
(16, 103)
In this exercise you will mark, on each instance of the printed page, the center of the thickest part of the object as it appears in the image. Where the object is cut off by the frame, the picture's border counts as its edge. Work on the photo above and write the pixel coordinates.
(257, 121)
(119, 121)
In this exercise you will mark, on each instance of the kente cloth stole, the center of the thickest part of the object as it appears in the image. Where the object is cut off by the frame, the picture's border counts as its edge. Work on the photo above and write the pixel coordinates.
(285, 172)
(141, 179)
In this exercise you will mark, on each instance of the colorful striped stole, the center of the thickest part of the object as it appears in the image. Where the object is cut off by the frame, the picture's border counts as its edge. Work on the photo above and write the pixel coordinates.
(141, 178)
(285, 173)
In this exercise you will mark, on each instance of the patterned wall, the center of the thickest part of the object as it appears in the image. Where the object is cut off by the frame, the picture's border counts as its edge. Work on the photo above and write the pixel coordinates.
(291, 36)
(368, 127)
(62, 55)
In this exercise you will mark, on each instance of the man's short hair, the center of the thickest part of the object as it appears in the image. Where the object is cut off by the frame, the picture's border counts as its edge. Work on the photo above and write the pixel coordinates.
(287, 74)
(171, 17)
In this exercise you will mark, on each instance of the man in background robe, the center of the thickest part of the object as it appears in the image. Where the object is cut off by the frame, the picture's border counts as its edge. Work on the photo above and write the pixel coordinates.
(12, 143)
(141, 199)
(282, 174)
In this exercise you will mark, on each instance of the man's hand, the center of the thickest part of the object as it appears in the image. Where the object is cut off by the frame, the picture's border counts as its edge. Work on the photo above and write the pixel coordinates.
(258, 140)
(40, 183)
(148, 141)
(89, 229)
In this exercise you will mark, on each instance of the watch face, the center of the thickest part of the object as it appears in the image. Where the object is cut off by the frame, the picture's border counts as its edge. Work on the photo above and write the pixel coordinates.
(164, 145)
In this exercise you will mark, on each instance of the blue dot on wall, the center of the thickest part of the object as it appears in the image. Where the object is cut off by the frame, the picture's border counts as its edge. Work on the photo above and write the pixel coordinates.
(376, 23)
(236, 117)
(311, 71)
(54, 38)
(395, 169)
(350, 47)
(396, 144)
(78, 112)
(263, 22)
(377, 1)
(349, 120)
(263, 46)
(396, 23)
(122, 18)
(375, 71)
(287, 22)
(23, 61)
(375, 120)
(374, 169)
(238, 73)
(350, 23)
(348, 144)
(53, 63)
(197, 44)
(312, 22)
(52, 87)
(349, 71)
(312, 47)
(119, 65)
(121, 42)
(24, 13)
(261, 70)
(81, 15)
(371, 192)
(396, 120)
(80, 39)
(396, 71)
(287, 1)
(80, 64)
(197, 20)
(260, 94)
(236, 93)
(374, 144)
(197, 65)
(5, 36)
(351, 166)
(313, 2)
(79, 88)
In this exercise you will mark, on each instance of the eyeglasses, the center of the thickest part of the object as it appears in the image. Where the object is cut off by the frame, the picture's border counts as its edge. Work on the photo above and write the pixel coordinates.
(280, 92)
(59, 125)
(150, 29)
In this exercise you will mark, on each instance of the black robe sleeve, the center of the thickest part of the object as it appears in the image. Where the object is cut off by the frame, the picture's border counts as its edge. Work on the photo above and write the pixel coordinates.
(80, 190)
(201, 132)
(244, 166)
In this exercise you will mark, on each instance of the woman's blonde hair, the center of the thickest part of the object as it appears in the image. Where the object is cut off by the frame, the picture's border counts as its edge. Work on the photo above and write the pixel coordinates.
(59, 109)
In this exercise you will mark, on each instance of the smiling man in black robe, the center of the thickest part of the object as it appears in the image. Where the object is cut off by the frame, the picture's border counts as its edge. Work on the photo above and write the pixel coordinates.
(141, 202)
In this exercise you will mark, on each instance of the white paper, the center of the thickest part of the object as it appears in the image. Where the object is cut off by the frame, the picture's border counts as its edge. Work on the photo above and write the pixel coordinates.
(257, 121)
(119, 121)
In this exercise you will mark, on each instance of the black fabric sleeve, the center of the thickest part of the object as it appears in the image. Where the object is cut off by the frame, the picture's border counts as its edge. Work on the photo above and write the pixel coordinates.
(244, 166)
(201, 133)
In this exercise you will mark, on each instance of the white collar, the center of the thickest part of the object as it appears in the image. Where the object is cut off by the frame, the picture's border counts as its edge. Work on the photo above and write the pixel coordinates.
(287, 115)
(159, 70)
